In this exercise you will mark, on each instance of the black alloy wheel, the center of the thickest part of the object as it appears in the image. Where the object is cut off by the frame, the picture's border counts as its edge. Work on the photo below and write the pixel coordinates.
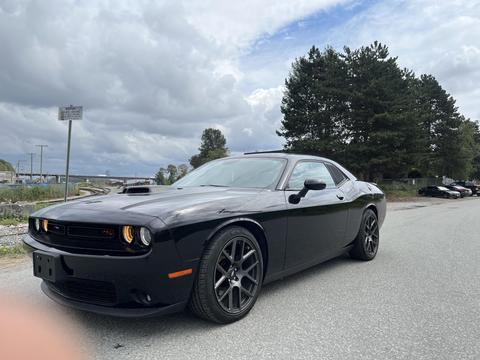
(237, 275)
(371, 234)
(367, 240)
(229, 278)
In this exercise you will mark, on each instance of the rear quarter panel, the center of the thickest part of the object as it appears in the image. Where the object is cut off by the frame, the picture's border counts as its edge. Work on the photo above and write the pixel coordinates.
(362, 195)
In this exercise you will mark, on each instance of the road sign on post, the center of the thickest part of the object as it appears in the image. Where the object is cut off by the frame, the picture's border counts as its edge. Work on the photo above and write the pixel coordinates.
(69, 113)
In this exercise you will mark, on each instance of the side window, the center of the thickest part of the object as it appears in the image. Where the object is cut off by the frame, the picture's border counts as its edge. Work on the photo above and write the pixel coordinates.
(338, 176)
(309, 170)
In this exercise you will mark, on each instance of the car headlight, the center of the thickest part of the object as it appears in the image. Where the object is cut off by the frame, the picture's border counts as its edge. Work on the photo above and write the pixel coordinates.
(145, 236)
(37, 224)
(45, 225)
(128, 234)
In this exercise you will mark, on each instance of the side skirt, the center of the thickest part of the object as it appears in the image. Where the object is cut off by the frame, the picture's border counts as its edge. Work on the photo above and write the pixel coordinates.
(309, 264)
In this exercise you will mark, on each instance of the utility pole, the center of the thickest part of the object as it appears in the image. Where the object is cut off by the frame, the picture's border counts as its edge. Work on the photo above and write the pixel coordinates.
(68, 159)
(41, 160)
(31, 166)
(18, 167)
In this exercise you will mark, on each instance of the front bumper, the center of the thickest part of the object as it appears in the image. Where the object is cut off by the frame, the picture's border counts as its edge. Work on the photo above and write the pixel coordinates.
(127, 286)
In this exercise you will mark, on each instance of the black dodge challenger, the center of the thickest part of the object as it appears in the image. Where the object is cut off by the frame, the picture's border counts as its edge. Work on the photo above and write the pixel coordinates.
(209, 241)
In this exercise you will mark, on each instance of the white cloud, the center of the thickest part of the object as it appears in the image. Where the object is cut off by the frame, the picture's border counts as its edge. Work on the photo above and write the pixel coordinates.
(150, 75)
(435, 37)
(153, 74)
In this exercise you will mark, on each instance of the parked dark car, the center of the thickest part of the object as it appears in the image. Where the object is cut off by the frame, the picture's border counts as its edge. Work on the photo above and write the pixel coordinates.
(439, 191)
(462, 190)
(469, 185)
(210, 241)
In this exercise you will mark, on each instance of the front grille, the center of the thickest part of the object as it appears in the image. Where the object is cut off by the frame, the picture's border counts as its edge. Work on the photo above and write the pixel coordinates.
(85, 238)
(91, 291)
(55, 228)
(104, 232)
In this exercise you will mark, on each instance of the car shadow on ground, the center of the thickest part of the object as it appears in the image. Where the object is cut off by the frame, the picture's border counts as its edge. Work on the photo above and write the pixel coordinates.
(184, 322)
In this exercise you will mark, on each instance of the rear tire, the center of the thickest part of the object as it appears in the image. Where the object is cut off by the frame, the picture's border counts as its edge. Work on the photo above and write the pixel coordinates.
(229, 277)
(366, 243)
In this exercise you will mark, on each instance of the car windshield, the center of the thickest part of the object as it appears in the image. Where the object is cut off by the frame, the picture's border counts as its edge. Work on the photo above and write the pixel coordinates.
(442, 188)
(236, 172)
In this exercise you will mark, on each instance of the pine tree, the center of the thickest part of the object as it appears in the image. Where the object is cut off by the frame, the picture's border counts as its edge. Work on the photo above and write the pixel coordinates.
(315, 103)
(213, 147)
(360, 108)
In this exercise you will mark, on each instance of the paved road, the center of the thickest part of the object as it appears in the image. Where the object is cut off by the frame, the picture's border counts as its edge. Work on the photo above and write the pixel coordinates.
(419, 299)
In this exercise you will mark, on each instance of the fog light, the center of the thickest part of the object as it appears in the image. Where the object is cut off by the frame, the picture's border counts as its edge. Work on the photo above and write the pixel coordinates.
(145, 236)
(127, 232)
(37, 224)
(45, 225)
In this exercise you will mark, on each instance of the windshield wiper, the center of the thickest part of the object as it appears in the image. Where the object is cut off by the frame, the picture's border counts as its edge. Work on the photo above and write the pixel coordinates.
(214, 185)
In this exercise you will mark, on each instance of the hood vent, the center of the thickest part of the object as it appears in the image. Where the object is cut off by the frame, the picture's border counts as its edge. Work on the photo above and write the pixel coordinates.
(144, 189)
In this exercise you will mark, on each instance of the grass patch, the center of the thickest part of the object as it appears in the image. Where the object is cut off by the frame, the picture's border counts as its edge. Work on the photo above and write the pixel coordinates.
(13, 220)
(34, 193)
(18, 220)
(12, 251)
(397, 195)
(397, 191)
(41, 205)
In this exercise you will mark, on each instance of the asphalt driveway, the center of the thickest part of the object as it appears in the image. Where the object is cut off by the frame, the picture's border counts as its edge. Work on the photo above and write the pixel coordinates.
(419, 299)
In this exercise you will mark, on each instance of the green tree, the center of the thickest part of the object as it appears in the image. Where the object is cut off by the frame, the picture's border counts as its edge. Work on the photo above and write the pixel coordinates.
(213, 147)
(172, 173)
(315, 103)
(182, 170)
(450, 138)
(160, 177)
(6, 166)
(382, 134)
(360, 108)
(475, 174)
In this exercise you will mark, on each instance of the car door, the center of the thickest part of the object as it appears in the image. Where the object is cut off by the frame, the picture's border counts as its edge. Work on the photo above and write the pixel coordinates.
(316, 225)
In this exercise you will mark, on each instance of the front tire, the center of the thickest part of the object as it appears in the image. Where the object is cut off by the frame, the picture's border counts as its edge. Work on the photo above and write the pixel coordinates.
(366, 243)
(229, 277)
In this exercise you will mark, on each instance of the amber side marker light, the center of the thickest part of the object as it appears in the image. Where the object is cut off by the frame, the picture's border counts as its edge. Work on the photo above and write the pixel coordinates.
(45, 225)
(127, 232)
(179, 273)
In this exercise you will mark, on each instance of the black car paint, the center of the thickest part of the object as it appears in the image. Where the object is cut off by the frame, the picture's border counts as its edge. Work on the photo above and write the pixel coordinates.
(292, 236)
(435, 191)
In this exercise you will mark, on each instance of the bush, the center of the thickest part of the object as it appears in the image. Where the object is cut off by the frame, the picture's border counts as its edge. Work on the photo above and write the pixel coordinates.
(34, 193)
(398, 190)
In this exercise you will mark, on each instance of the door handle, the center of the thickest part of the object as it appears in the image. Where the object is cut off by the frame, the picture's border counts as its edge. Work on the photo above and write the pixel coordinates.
(340, 197)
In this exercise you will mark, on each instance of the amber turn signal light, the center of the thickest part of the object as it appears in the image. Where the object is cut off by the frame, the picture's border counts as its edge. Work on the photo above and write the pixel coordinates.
(45, 225)
(127, 232)
(179, 273)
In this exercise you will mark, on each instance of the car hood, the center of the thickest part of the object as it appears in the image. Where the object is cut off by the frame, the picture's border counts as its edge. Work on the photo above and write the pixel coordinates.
(166, 205)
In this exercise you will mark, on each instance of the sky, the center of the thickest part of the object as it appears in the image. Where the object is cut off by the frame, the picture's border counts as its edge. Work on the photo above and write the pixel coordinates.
(151, 75)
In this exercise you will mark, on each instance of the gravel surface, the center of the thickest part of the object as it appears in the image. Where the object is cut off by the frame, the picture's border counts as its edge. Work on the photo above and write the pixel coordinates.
(11, 235)
(419, 299)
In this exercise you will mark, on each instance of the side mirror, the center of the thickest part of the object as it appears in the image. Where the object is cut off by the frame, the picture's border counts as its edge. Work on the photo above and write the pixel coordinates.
(314, 184)
(309, 184)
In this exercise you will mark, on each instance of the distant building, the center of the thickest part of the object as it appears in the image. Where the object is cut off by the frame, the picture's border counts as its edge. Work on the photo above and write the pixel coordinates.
(7, 176)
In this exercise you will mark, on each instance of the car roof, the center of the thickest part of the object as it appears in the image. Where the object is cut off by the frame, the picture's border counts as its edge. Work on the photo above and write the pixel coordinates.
(283, 155)
(293, 158)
